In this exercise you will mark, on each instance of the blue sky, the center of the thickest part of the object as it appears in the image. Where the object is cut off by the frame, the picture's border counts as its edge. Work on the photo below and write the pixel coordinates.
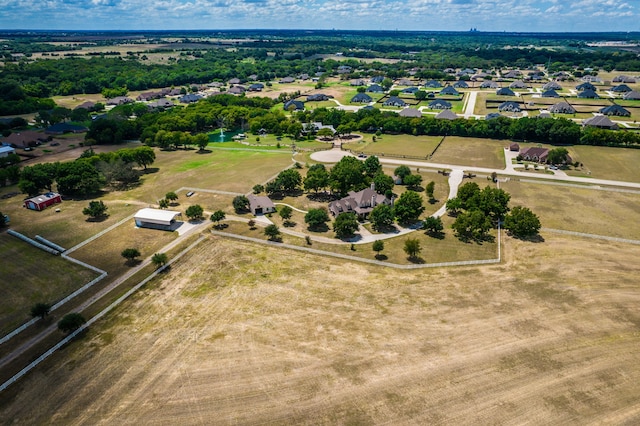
(485, 15)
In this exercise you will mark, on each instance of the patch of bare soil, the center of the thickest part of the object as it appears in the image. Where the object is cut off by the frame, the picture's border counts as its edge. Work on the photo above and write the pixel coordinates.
(240, 334)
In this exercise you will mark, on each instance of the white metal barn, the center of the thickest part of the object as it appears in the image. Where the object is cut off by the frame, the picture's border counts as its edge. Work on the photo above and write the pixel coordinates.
(156, 219)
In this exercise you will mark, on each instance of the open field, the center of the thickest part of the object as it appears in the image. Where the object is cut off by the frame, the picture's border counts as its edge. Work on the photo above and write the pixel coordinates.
(29, 276)
(592, 211)
(608, 163)
(471, 152)
(245, 335)
(396, 145)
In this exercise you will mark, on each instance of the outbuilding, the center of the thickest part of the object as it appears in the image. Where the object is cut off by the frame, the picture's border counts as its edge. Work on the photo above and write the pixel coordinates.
(41, 202)
(156, 219)
(260, 205)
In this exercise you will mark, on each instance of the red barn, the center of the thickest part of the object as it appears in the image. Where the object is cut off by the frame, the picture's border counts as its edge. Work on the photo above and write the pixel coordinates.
(41, 202)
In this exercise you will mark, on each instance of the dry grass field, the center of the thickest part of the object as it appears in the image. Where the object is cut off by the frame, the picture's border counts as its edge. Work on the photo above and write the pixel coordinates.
(240, 334)
(471, 152)
(608, 163)
(396, 145)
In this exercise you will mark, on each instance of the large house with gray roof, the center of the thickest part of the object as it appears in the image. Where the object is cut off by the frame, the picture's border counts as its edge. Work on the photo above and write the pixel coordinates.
(361, 202)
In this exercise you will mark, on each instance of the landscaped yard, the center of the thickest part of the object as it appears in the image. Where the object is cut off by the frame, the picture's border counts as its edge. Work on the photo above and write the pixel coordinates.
(471, 152)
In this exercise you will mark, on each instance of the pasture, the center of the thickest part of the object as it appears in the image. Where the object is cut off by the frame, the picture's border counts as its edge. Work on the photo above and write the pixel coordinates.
(395, 145)
(247, 335)
(471, 152)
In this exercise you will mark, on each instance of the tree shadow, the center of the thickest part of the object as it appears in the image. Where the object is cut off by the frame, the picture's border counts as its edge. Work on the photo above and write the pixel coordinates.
(531, 239)
(416, 188)
(416, 259)
(149, 170)
(289, 224)
(204, 151)
(318, 228)
(321, 197)
(381, 257)
(437, 235)
(433, 201)
(132, 262)
(97, 219)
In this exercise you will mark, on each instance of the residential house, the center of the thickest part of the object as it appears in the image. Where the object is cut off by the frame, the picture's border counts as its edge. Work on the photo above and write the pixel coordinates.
(318, 97)
(509, 106)
(562, 108)
(236, 90)
(537, 154)
(377, 79)
(518, 84)
(601, 122)
(293, 105)
(119, 100)
(624, 79)
(25, 139)
(287, 80)
(492, 116)
(410, 112)
(86, 105)
(460, 84)
(61, 128)
(544, 114)
(631, 96)
(410, 90)
(439, 104)
(260, 205)
(588, 94)
(361, 98)
(433, 84)
(513, 146)
(5, 150)
(41, 202)
(446, 114)
(361, 202)
(375, 88)
(616, 110)
(234, 81)
(148, 96)
(586, 86)
(505, 91)
(190, 98)
(404, 82)
(621, 88)
(160, 103)
(358, 82)
(256, 87)
(489, 84)
(551, 93)
(513, 74)
(552, 85)
(394, 101)
(449, 91)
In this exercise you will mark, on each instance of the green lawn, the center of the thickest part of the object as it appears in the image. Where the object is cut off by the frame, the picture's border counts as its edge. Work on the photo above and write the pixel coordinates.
(396, 145)
(586, 210)
(607, 162)
(471, 152)
(30, 275)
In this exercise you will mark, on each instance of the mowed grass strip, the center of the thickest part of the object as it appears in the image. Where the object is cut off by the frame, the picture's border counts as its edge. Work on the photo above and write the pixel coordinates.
(476, 152)
(29, 275)
(592, 211)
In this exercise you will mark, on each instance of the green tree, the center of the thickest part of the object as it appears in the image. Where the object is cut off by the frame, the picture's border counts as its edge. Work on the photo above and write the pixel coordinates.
(257, 189)
(71, 322)
(159, 259)
(348, 174)
(317, 178)
(522, 222)
(143, 156)
(325, 133)
(217, 216)
(413, 181)
(557, 156)
(382, 217)
(408, 207)
(453, 206)
(472, 225)
(285, 213)
(431, 186)
(420, 95)
(163, 204)
(240, 204)
(386, 83)
(402, 172)
(317, 219)
(468, 195)
(372, 166)
(201, 140)
(194, 212)
(289, 180)
(40, 310)
(171, 196)
(95, 210)
(378, 246)
(412, 248)
(433, 226)
(383, 183)
(130, 254)
(493, 202)
(345, 225)
(273, 232)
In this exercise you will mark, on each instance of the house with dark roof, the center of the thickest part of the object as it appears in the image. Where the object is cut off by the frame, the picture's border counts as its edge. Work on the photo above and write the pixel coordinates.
(460, 84)
(601, 122)
(624, 79)
(534, 153)
(492, 116)
(549, 94)
(439, 104)
(358, 82)
(588, 94)
(480, 76)
(377, 79)
(119, 100)
(512, 74)
(148, 96)
(509, 106)
(552, 85)
(586, 86)
(513, 146)
(86, 105)
(616, 110)
(317, 97)
(394, 101)
(410, 90)
(446, 114)
(562, 108)
(190, 98)
(255, 87)
(505, 91)
(404, 82)
(234, 81)
(260, 205)
(236, 90)
(375, 88)
(287, 80)
(518, 85)
(433, 84)
(293, 105)
(449, 91)
(361, 202)
(61, 128)
(489, 84)
(631, 96)
(361, 98)
(27, 138)
(160, 103)
(621, 88)
(410, 112)
(544, 114)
